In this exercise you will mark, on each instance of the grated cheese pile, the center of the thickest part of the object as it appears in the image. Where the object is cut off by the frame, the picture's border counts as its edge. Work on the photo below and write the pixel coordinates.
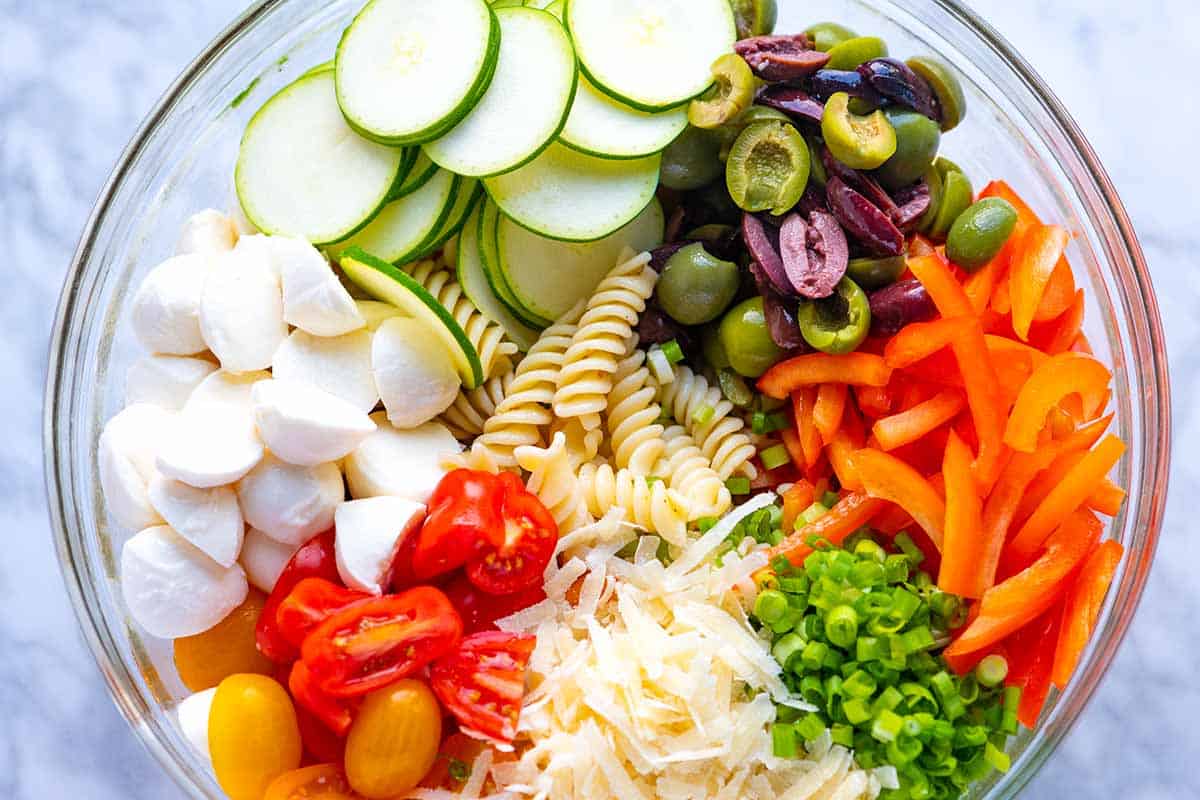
(654, 685)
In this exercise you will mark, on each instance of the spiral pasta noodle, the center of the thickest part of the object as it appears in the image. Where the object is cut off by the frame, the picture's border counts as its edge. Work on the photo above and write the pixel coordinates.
(553, 480)
(495, 351)
(477, 460)
(632, 417)
(604, 337)
(720, 436)
(582, 444)
(686, 470)
(471, 410)
(649, 505)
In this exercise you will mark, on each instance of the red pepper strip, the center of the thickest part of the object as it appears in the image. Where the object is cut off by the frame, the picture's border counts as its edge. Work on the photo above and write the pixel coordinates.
(985, 398)
(804, 401)
(892, 520)
(963, 664)
(920, 246)
(800, 496)
(1070, 493)
(1001, 507)
(980, 285)
(920, 420)
(861, 369)
(1057, 378)
(1106, 499)
(886, 477)
(919, 340)
(943, 286)
(1035, 681)
(1082, 608)
(1066, 327)
(961, 571)
(1001, 298)
(851, 513)
(1025, 214)
(1085, 438)
(848, 440)
(874, 401)
(827, 413)
(1082, 345)
(1019, 600)
(1059, 294)
(791, 440)
(1034, 260)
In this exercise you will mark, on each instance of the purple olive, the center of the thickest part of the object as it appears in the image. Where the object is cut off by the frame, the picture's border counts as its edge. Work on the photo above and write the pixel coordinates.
(781, 58)
(896, 81)
(793, 102)
(674, 224)
(858, 181)
(912, 202)
(828, 250)
(862, 220)
(779, 311)
(897, 305)
(655, 327)
(826, 82)
(763, 243)
(660, 255)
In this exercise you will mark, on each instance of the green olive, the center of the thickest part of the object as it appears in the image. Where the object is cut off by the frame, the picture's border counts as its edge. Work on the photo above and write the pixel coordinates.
(933, 179)
(729, 132)
(691, 161)
(875, 273)
(696, 287)
(945, 166)
(747, 341)
(712, 232)
(957, 195)
(714, 351)
(946, 87)
(824, 35)
(817, 173)
(839, 323)
(917, 141)
(858, 142)
(849, 53)
(768, 167)
(979, 232)
(732, 93)
(734, 387)
(754, 17)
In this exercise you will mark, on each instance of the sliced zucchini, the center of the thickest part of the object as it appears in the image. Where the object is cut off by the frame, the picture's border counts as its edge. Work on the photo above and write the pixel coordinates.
(410, 70)
(404, 226)
(388, 283)
(419, 173)
(526, 104)
(548, 276)
(565, 194)
(651, 54)
(489, 256)
(322, 67)
(302, 172)
(469, 192)
(475, 284)
(600, 126)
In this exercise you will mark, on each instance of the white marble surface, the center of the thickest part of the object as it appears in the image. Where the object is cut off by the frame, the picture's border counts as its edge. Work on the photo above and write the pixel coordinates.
(76, 76)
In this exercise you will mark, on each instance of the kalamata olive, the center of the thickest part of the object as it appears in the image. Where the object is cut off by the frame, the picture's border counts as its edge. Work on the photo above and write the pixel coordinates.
(828, 82)
(781, 58)
(896, 81)
(763, 243)
(952, 102)
(660, 254)
(655, 327)
(860, 182)
(814, 255)
(711, 204)
(912, 204)
(895, 306)
(779, 311)
(863, 221)
(793, 102)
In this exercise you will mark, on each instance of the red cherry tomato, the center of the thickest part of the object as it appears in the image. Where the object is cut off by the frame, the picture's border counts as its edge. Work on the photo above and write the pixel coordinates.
(380, 640)
(334, 713)
(314, 559)
(311, 602)
(518, 557)
(480, 610)
(482, 683)
(464, 514)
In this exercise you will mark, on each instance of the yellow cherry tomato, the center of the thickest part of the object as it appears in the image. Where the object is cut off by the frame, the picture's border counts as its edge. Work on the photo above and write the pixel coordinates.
(394, 740)
(321, 782)
(252, 735)
(228, 648)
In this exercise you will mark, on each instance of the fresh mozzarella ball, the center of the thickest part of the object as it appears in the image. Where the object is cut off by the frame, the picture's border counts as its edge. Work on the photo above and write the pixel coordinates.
(166, 309)
(305, 425)
(208, 518)
(413, 372)
(291, 503)
(165, 381)
(399, 463)
(210, 445)
(376, 313)
(126, 456)
(263, 558)
(314, 300)
(192, 713)
(241, 313)
(341, 365)
(208, 232)
(369, 532)
(172, 589)
(229, 390)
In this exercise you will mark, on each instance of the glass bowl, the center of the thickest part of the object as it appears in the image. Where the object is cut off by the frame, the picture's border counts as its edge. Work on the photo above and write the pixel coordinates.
(181, 160)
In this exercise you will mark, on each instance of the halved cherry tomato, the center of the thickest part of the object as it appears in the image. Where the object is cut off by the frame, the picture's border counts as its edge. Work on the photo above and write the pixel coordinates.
(528, 537)
(482, 684)
(335, 713)
(400, 574)
(480, 610)
(318, 782)
(311, 602)
(380, 640)
(321, 745)
(314, 559)
(464, 514)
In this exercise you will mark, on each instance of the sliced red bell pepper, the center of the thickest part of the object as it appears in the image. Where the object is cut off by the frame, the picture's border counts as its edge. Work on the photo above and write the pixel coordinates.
(962, 570)
(1034, 260)
(985, 399)
(1061, 333)
(1001, 189)
(1057, 378)
(1001, 507)
(804, 401)
(919, 340)
(888, 478)
(1082, 608)
(943, 286)
(827, 413)
(861, 369)
(1106, 498)
(981, 284)
(1059, 294)
(1034, 679)
(850, 513)
(799, 496)
(874, 401)
(848, 440)
(920, 420)
(791, 440)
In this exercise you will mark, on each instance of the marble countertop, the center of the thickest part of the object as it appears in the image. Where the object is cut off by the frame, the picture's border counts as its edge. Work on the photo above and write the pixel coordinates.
(76, 77)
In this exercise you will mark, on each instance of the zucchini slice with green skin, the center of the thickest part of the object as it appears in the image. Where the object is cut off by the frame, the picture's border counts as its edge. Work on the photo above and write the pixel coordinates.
(419, 173)
(302, 172)
(410, 70)
(469, 192)
(568, 195)
(388, 283)
(489, 257)
(652, 54)
(404, 226)
(526, 104)
(600, 126)
(475, 285)
(548, 276)
(322, 67)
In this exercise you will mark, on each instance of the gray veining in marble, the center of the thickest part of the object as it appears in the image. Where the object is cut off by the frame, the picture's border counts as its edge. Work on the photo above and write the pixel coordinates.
(76, 76)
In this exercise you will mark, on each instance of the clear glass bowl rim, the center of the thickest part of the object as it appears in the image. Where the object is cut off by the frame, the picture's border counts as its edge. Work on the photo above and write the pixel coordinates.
(1136, 285)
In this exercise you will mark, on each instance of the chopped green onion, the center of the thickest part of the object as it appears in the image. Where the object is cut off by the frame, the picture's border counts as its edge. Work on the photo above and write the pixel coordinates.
(770, 606)
(999, 759)
(810, 727)
(738, 485)
(841, 626)
(788, 649)
(830, 499)
(783, 740)
(672, 351)
(859, 684)
(459, 770)
(814, 655)
(705, 524)
(702, 415)
(992, 670)
(887, 726)
(775, 456)
(842, 734)
(905, 543)
(660, 365)
(762, 422)
(857, 710)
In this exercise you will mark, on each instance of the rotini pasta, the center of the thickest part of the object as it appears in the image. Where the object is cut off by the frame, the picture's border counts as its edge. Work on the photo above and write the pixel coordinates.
(552, 478)
(495, 351)
(705, 413)
(582, 444)
(472, 409)
(632, 417)
(649, 505)
(604, 337)
(478, 460)
(686, 470)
